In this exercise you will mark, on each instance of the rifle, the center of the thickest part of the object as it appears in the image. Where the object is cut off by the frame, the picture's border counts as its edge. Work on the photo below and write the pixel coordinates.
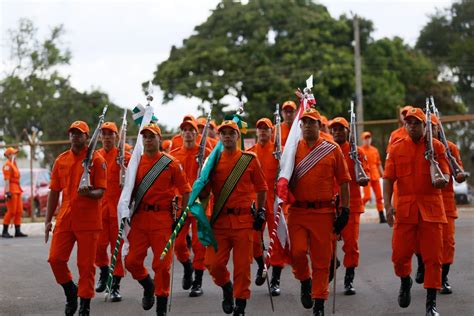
(121, 149)
(435, 171)
(453, 164)
(202, 145)
(360, 174)
(87, 163)
(277, 152)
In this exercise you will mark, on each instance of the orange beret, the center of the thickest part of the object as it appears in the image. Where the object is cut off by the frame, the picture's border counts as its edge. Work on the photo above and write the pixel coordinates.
(110, 126)
(79, 125)
(416, 113)
(339, 120)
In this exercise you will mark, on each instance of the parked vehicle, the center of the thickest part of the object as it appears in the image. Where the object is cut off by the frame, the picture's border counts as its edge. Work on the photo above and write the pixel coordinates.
(461, 193)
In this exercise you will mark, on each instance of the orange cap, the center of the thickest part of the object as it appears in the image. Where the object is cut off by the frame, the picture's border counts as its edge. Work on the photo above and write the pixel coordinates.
(264, 121)
(189, 117)
(190, 123)
(405, 109)
(416, 113)
(10, 151)
(213, 124)
(339, 120)
(434, 119)
(366, 135)
(229, 124)
(201, 121)
(312, 114)
(80, 125)
(324, 120)
(110, 126)
(290, 104)
(128, 147)
(166, 144)
(152, 127)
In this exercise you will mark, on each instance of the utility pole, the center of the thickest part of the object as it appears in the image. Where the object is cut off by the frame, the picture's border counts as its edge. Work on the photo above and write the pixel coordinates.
(358, 76)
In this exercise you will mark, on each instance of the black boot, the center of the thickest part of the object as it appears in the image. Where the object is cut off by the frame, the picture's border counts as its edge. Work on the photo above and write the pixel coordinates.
(102, 282)
(188, 275)
(228, 298)
(148, 293)
(115, 290)
(261, 272)
(196, 289)
(306, 298)
(445, 287)
(420, 271)
(404, 296)
(161, 305)
(431, 303)
(275, 282)
(85, 307)
(318, 308)
(240, 305)
(348, 279)
(70, 290)
(5, 233)
(331, 268)
(382, 219)
(18, 232)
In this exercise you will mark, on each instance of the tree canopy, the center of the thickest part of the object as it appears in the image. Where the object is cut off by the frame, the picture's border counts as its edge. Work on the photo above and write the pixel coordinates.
(261, 51)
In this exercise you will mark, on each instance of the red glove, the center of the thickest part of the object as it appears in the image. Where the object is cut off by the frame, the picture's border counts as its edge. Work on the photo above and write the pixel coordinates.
(283, 191)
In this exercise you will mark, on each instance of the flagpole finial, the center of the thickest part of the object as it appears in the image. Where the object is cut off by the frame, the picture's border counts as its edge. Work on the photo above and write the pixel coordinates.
(149, 92)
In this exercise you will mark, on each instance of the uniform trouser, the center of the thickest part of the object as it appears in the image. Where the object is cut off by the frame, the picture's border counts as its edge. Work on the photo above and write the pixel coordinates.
(61, 247)
(240, 240)
(350, 236)
(139, 242)
(181, 247)
(448, 241)
(314, 231)
(108, 236)
(375, 185)
(14, 209)
(429, 237)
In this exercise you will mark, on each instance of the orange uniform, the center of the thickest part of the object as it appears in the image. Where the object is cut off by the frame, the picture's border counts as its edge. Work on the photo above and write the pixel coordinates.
(420, 213)
(374, 163)
(177, 141)
(151, 223)
(233, 228)
(109, 233)
(285, 131)
(187, 158)
(326, 136)
(396, 135)
(350, 233)
(79, 219)
(311, 226)
(15, 203)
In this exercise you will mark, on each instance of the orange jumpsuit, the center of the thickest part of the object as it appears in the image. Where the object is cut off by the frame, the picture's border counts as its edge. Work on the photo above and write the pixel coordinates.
(15, 204)
(285, 131)
(187, 158)
(233, 228)
(270, 168)
(313, 227)
(151, 223)
(79, 219)
(451, 212)
(350, 233)
(373, 160)
(420, 214)
(109, 233)
(395, 136)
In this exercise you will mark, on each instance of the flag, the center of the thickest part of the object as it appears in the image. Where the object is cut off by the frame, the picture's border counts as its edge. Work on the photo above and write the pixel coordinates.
(138, 112)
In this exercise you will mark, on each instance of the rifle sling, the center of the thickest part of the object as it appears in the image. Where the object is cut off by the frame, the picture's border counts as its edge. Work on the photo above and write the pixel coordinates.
(230, 184)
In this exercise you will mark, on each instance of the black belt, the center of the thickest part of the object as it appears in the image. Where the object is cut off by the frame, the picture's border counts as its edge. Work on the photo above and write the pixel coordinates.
(314, 204)
(153, 208)
(237, 211)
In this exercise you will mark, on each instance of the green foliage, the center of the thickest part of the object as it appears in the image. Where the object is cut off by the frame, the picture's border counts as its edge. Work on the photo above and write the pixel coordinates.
(261, 51)
(449, 40)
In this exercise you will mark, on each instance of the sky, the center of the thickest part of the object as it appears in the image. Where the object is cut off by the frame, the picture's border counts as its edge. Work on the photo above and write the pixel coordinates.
(117, 44)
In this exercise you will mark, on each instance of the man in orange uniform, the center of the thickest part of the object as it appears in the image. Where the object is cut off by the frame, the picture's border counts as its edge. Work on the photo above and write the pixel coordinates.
(158, 177)
(375, 172)
(201, 123)
(177, 140)
(420, 214)
(400, 132)
(288, 110)
(324, 132)
(236, 181)
(79, 219)
(13, 190)
(108, 236)
(350, 234)
(186, 155)
(264, 150)
(319, 166)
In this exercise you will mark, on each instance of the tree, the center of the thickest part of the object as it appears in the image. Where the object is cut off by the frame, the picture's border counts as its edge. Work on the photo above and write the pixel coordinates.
(261, 51)
(448, 39)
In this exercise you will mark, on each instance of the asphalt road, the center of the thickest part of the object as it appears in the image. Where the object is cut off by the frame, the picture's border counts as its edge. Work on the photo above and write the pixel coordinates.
(27, 285)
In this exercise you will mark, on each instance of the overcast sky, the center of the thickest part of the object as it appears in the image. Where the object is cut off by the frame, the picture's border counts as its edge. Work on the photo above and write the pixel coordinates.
(116, 44)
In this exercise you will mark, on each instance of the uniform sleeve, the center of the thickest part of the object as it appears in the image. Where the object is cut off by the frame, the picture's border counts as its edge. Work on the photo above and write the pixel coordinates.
(389, 171)
(179, 178)
(258, 176)
(378, 161)
(341, 171)
(455, 152)
(364, 160)
(440, 151)
(128, 156)
(7, 170)
(55, 184)
(100, 173)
